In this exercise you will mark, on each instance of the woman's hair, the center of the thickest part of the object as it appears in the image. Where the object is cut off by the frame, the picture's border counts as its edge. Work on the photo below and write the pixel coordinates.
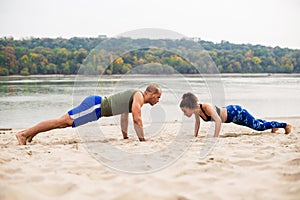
(189, 100)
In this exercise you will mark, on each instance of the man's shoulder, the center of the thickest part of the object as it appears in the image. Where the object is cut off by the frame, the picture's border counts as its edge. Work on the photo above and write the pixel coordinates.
(138, 93)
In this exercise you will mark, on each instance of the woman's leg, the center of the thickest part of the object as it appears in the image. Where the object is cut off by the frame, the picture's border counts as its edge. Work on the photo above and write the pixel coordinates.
(244, 118)
(27, 135)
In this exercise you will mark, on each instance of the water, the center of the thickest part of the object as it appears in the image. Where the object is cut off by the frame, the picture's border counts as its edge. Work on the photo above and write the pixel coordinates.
(27, 100)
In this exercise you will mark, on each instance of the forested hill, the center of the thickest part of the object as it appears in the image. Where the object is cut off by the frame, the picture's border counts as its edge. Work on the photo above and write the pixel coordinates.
(65, 56)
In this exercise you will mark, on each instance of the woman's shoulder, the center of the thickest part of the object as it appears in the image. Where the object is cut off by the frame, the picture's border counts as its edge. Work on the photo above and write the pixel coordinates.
(206, 105)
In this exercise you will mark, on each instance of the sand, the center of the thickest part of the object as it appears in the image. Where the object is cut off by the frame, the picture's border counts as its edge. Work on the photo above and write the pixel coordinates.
(244, 164)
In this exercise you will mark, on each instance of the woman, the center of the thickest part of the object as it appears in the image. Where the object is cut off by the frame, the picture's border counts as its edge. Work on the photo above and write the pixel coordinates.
(232, 113)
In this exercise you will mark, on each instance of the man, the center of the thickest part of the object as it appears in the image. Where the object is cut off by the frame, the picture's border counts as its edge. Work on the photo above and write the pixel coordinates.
(94, 107)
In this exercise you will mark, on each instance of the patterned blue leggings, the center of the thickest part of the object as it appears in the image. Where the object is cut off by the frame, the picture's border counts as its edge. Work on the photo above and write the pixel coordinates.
(240, 116)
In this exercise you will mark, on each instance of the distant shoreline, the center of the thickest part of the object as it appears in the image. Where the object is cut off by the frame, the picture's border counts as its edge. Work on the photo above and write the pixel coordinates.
(163, 75)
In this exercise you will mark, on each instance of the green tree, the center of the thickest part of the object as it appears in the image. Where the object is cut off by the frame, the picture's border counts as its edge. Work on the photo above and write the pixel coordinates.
(10, 60)
(38, 63)
(3, 71)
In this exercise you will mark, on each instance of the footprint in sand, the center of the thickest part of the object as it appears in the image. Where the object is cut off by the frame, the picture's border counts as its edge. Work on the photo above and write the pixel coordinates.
(248, 163)
(36, 179)
(265, 156)
(291, 176)
(5, 158)
(55, 189)
(295, 162)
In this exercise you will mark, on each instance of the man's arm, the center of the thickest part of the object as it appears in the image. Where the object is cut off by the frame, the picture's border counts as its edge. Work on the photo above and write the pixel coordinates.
(138, 102)
(124, 125)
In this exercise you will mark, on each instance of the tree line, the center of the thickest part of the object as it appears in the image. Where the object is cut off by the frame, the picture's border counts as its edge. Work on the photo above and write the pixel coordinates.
(65, 56)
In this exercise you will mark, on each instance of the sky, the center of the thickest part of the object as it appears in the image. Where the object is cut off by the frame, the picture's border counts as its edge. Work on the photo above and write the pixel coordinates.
(266, 22)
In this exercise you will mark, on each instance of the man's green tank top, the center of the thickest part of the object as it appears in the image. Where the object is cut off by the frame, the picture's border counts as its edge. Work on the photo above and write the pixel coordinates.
(118, 103)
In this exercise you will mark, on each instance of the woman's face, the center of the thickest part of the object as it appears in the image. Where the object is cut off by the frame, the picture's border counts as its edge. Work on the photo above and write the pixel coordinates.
(187, 111)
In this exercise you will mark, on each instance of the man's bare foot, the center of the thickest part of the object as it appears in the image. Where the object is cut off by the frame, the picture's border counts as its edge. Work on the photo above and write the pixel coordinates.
(21, 138)
(274, 130)
(288, 129)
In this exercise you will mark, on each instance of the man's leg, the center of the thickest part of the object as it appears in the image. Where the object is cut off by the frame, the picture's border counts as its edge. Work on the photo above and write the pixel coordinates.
(27, 135)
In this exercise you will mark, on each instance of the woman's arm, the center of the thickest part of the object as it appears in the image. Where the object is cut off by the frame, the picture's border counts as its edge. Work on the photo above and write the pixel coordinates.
(197, 125)
(210, 110)
(218, 123)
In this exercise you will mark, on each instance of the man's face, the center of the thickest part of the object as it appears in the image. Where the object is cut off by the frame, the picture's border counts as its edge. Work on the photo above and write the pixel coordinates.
(154, 99)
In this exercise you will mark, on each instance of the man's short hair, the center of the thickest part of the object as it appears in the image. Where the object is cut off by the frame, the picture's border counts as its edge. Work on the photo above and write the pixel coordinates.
(153, 88)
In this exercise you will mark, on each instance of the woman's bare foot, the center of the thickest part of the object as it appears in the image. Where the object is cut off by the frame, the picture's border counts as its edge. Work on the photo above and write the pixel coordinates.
(274, 130)
(288, 129)
(21, 138)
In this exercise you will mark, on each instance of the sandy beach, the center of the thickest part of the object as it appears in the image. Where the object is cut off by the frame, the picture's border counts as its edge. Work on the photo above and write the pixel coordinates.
(245, 164)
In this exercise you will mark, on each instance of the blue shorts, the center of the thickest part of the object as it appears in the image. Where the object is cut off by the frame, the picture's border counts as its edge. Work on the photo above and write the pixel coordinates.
(89, 110)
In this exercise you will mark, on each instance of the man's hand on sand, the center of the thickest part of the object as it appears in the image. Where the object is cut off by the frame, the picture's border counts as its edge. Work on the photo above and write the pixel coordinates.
(145, 140)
